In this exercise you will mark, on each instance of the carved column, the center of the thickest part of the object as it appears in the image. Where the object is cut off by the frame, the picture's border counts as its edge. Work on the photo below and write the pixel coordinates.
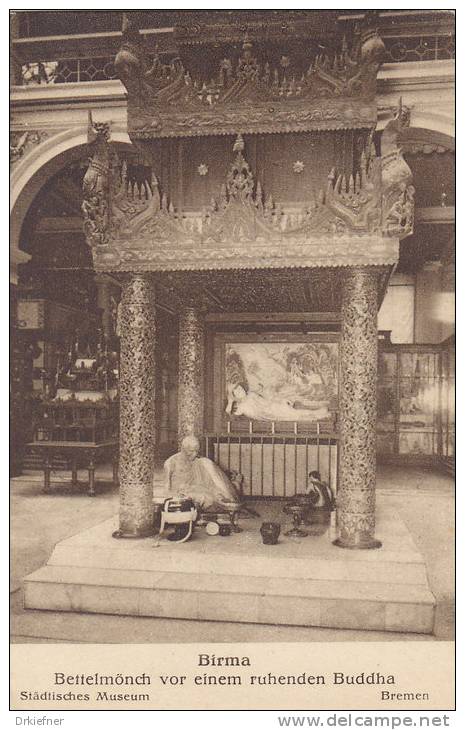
(191, 373)
(137, 406)
(357, 465)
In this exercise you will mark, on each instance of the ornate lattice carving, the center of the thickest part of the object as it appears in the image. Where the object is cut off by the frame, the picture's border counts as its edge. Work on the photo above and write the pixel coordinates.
(398, 191)
(355, 220)
(137, 406)
(95, 186)
(334, 93)
(357, 403)
(242, 228)
(191, 373)
(287, 290)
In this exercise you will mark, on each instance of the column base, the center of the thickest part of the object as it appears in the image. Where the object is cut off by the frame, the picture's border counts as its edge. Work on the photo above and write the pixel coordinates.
(361, 544)
(137, 535)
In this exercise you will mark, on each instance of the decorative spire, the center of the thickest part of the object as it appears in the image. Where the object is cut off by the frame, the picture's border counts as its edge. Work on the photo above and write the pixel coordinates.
(239, 144)
(95, 184)
(402, 114)
(240, 181)
(97, 131)
(247, 67)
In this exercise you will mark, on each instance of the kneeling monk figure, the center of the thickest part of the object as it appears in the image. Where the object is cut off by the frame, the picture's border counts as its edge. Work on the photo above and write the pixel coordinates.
(189, 475)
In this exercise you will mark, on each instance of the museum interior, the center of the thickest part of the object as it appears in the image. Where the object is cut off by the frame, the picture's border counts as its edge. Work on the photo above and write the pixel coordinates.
(237, 226)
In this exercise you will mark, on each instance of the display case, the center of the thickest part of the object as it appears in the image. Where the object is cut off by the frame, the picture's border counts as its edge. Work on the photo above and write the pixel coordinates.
(81, 404)
(414, 403)
(447, 446)
(79, 413)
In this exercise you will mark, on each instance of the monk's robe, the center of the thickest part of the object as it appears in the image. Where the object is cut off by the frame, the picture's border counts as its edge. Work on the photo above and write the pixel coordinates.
(200, 479)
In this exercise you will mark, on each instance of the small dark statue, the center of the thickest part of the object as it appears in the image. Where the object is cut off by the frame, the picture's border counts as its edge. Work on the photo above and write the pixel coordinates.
(322, 501)
(322, 494)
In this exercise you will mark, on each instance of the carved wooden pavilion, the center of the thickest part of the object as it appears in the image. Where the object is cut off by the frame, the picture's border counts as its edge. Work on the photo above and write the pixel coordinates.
(262, 192)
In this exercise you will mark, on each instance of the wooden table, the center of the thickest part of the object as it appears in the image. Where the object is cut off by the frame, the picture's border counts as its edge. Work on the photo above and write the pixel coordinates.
(80, 454)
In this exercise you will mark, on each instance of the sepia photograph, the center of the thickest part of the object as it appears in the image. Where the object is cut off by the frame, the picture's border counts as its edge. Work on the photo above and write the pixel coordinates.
(232, 341)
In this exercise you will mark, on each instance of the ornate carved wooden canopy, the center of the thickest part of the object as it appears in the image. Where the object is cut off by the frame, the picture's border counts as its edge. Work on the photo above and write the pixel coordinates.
(336, 91)
(356, 218)
(353, 221)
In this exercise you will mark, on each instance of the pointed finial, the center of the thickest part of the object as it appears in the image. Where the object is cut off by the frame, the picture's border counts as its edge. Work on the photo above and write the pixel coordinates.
(239, 144)
(402, 114)
(90, 127)
(130, 26)
(332, 177)
(247, 44)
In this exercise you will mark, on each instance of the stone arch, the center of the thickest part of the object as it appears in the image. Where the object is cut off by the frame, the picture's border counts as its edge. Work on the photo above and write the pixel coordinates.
(37, 167)
(435, 122)
(421, 117)
(417, 138)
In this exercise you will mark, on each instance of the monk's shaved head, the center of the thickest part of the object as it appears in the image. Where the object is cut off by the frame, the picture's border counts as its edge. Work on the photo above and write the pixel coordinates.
(190, 442)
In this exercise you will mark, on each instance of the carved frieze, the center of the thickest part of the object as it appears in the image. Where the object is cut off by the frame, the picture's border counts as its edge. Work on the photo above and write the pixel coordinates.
(355, 220)
(335, 92)
(242, 213)
(325, 252)
(227, 28)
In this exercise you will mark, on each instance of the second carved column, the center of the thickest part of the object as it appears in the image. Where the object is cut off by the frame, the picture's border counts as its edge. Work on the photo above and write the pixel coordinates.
(191, 373)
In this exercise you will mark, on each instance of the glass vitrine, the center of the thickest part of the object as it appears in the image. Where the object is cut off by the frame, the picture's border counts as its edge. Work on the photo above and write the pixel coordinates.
(415, 401)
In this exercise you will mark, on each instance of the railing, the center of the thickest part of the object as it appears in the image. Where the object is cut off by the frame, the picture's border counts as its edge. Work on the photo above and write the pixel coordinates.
(45, 70)
(401, 49)
(68, 70)
(275, 465)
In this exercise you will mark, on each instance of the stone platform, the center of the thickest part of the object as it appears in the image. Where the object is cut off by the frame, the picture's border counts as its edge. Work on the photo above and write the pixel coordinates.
(301, 582)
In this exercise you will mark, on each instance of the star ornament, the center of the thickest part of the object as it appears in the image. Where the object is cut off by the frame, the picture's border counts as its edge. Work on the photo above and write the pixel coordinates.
(298, 167)
(202, 170)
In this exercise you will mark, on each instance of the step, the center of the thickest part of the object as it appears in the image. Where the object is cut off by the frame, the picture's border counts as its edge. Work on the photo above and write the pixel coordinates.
(267, 600)
(244, 554)
(301, 582)
(172, 559)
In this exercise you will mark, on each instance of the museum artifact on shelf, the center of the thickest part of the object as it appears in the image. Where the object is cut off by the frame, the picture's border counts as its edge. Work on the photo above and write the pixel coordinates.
(79, 412)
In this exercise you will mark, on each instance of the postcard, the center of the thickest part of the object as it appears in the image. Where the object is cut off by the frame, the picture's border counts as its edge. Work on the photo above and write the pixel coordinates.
(232, 361)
